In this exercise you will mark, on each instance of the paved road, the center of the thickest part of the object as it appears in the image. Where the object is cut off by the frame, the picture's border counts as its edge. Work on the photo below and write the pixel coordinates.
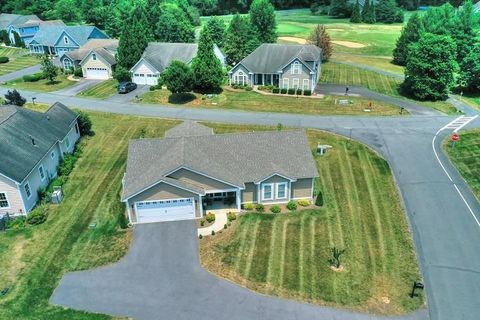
(445, 231)
(161, 278)
(20, 73)
(80, 86)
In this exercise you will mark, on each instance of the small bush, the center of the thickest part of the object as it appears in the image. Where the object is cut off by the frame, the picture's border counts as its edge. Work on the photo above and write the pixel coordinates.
(276, 90)
(231, 216)
(266, 88)
(303, 202)
(210, 217)
(292, 205)
(4, 59)
(292, 91)
(202, 223)
(248, 89)
(260, 207)
(248, 206)
(32, 77)
(84, 123)
(275, 209)
(200, 237)
(225, 226)
(16, 223)
(78, 72)
(319, 200)
(213, 232)
(307, 92)
(38, 215)
(283, 91)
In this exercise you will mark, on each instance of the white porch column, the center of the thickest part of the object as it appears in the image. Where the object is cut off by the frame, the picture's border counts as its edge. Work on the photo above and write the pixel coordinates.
(201, 206)
(129, 212)
(239, 201)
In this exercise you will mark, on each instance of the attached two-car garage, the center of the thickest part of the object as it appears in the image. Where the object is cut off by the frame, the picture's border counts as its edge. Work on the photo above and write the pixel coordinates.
(96, 73)
(165, 210)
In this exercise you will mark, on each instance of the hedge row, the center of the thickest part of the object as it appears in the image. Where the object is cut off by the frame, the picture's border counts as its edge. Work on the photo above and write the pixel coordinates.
(4, 59)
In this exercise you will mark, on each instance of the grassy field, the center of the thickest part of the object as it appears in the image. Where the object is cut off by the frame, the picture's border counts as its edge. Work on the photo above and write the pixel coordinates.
(42, 85)
(12, 52)
(288, 254)
(465, 156)
(253, 101)
(34, 259)
(17, 63)
(102, 90)
(382, 63)
(350, 75)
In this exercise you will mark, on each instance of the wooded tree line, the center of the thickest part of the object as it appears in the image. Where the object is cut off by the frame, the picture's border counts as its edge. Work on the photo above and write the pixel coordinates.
(440, 50)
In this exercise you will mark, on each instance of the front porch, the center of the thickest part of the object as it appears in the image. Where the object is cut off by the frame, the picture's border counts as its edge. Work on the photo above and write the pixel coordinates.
(221, 200)
(265, 79)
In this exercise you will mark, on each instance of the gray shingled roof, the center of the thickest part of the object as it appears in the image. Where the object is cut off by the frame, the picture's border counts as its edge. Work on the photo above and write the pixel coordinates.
(41, 23)
(272, 57)
(106, 48)
(161, 54)
(189, 129)
(233, 158)
(18, 125)
(48, 35)
(7, 19)
(476, 7)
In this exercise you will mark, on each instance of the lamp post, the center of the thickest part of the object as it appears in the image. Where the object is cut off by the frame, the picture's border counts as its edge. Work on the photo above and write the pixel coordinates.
(33, 100)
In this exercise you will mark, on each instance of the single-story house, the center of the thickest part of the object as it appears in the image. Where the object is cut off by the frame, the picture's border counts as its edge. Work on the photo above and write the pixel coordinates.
(192, 170)
(158, 56)
(56, 40)
(32, 145)
(27, 30)
(96, 58)
(283, 65)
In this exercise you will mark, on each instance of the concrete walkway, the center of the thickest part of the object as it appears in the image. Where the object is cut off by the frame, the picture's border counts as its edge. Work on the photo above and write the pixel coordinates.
(220, 221)
(20, 73)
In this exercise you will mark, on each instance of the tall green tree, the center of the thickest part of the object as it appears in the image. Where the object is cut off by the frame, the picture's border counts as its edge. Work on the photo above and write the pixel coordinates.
(262, 18)
(431, 67)
(217, 29)
(173, 25)
(410, 34)
(206, 67)
(17, 40)
(465, 34)
(178, 77)
(134, 38)
(68, 11)
(94, 11)
(440, 20)
(386, 11)
(118, 13)
(368, 12)
(356, 13)
(241, 39)
(340, 9)
(49, 71)
(4, 38)
(470, 70)
(320, 37)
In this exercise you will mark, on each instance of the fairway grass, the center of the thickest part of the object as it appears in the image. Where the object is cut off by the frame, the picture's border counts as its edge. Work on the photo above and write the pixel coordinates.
(253, 101)
(102, 90)
(34, 259)
(466, 157)
(42, 85)
(381, 63)
(17, 63)
(288, 254)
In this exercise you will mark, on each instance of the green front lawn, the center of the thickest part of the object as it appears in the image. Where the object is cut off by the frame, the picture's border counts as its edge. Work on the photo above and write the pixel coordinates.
(349, 75)
(17, 63)
(12, 52)
(34, 259)
(288, 254)
(42, 85)
(466, 157)
(253, 101)
(382, 63)
(102, 90)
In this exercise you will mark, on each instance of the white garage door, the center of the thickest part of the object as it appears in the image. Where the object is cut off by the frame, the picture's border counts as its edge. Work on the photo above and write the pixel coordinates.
(97, 73)
(165, 210)
(145, 78)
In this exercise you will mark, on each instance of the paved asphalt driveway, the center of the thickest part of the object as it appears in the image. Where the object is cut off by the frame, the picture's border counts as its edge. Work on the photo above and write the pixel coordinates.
(127, 97)
(80, 86)
(161, 278)
(20, 73)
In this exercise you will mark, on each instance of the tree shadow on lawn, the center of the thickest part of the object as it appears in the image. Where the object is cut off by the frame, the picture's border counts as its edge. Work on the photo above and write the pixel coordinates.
(181, 98)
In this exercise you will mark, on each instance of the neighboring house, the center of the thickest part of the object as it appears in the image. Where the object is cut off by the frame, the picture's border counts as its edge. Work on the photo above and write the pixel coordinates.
(192, 170)
(33, 143)
(27, 30)
(158, 56)
(8, 19)
(283, 65)
(56, 40)
(96, 58)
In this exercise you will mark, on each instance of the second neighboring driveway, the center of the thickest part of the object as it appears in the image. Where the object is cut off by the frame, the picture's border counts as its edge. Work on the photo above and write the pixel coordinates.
(82, 85)
(161, 278)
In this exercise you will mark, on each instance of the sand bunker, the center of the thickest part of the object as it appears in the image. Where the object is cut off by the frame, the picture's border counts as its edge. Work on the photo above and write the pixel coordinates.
(349, 44)
(294, 39)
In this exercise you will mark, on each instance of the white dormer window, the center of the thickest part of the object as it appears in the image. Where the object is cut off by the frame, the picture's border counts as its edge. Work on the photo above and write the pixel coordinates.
(94, 56)
(296, 68)
(65, 40)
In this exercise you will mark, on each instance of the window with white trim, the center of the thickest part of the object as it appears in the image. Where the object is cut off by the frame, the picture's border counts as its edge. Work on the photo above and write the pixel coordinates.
(296, 82)
(28, 192)
(286, 83)
(296, 67)
(94, 56)
(306, 84)
(67, 64)
(52, 155)
(267, 191)
(65, 40)
(3, 200)
(281, 190)
(67, 142)
(41, 172)
(240, 78)
(77, 130)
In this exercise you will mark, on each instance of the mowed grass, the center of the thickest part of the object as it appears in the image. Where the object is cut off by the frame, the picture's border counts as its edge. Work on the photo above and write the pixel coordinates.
(381, 63)
(253, 101)
(12, 52)
(17, 63)
(344, 74)
(288, 254)
(42, 85)
(34, 259)
(102, 90)
(466, 157)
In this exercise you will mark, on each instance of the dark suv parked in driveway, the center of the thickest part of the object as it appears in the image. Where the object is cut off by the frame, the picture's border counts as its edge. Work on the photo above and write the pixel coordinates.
(126, 87)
